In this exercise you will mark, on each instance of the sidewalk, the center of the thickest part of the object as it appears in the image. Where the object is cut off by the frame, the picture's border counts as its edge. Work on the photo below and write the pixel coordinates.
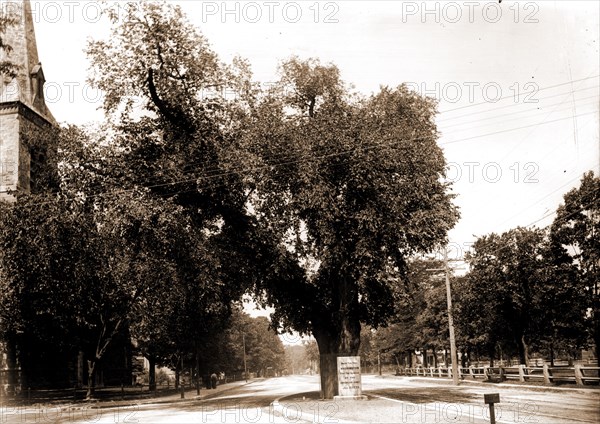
(190, 394)
(117, 400)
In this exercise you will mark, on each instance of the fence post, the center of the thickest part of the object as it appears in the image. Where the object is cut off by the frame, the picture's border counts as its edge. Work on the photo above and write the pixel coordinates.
(501, 372)
(440, 372)
(471, 372)
(522, 373)
(578, 375)
(546, 371)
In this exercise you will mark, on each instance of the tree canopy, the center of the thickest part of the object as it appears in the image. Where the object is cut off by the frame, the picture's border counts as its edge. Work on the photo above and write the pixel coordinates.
(577, 228)
(352, 186)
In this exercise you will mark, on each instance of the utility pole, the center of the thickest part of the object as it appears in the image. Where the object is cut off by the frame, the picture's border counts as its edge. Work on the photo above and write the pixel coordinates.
(451, 321)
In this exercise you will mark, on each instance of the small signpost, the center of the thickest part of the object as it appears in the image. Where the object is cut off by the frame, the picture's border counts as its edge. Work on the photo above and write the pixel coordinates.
(491, 399)
(349, 383)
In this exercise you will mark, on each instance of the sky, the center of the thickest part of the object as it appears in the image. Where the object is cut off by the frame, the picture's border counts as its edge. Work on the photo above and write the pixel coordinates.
(517, 82)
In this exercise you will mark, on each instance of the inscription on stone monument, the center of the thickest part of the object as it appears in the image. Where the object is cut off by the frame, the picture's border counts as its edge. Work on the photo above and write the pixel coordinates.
(349, 384)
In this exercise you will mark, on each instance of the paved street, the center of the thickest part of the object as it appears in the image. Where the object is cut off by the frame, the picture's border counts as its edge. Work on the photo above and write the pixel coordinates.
(295, 400)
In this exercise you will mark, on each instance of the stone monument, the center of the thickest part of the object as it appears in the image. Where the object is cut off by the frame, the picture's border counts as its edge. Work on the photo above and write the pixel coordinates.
(349, 382)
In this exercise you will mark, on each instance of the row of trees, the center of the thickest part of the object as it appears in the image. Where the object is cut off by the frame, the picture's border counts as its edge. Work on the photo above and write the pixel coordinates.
(307, 195)
(527, 290)
(246, 344)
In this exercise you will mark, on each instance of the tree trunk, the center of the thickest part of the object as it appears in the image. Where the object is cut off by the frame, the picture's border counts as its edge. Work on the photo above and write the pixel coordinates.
(435, 361)
(492, 354)
(551, 355)
(198, 382)
(151, 373)
(329, 381)
(80, 368)
(338, 334)
(11, 363)
(91, 383)
(523, 351)
(331, 346)
(597, 330)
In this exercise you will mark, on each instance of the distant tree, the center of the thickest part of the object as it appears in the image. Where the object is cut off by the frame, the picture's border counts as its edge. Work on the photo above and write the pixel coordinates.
(368, 349)
(420, 319)
(478, 310)
(508, 264)
(311, 354)
(521, 288)
(265, 349)
(561, 304)
(265, 353)
(296, 360)
(577, 227)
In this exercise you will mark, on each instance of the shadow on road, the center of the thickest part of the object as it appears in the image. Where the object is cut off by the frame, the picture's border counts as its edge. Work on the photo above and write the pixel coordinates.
(226, 404)
(425, 395)
(405, 394)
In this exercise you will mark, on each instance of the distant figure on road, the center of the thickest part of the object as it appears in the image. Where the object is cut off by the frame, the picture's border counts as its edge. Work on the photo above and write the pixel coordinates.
(213, 380)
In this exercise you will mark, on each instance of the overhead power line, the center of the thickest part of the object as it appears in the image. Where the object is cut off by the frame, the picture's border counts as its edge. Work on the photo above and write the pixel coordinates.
(512, 95)
(514, 129)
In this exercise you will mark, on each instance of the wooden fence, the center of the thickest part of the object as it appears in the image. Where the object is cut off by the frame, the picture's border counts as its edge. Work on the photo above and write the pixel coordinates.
(578, 374)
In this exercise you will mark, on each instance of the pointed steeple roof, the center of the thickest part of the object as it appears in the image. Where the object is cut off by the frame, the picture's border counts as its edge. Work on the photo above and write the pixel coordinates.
(28, 86)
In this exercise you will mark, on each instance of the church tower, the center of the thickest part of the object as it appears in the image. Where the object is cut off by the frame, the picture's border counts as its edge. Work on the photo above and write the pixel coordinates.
(25, 121)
